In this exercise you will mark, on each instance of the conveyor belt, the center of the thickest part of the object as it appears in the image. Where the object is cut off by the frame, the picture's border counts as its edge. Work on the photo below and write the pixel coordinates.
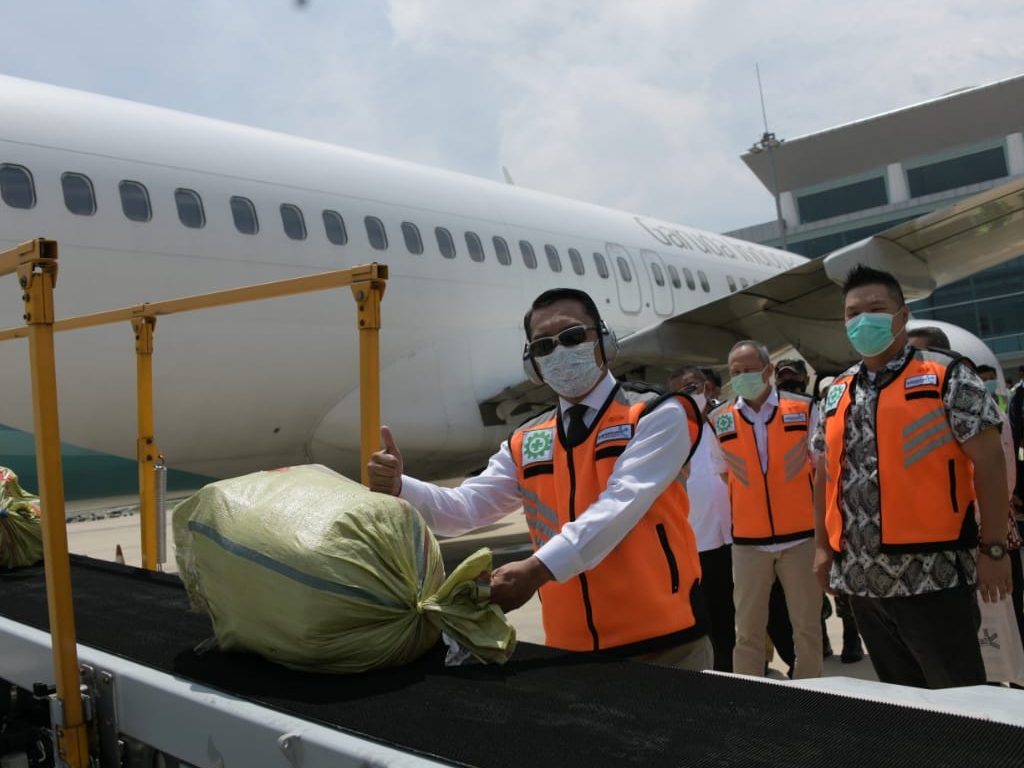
(544, 707)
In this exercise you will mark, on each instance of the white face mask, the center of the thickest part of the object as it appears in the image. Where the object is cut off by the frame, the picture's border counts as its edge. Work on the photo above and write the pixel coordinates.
(570, 371)
(700, 400)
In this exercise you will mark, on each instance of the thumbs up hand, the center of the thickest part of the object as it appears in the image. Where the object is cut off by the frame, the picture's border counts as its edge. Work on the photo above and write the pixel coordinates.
(385, 466)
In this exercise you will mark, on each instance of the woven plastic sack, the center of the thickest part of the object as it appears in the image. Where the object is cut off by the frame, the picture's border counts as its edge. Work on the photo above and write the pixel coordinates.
(21, 530)
(314, 571)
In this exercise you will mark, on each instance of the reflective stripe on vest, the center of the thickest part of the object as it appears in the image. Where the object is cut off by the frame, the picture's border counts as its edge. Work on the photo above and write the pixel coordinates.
(642, 589)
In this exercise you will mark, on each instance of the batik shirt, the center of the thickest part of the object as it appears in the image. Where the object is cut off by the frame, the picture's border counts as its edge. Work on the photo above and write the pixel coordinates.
(862, 569)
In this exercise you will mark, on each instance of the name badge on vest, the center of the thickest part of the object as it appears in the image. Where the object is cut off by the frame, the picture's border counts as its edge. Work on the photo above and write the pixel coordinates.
(790, 418)
(538, 445)
(618, 432)
(725, 422)
(835, 393)
(924, 380)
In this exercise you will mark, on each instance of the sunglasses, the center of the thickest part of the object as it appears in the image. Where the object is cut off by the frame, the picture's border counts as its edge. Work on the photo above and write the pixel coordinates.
(570, 337)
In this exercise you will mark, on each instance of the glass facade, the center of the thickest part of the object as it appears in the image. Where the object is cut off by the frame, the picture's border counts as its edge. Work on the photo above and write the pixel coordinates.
(849, 198)
(957, 172)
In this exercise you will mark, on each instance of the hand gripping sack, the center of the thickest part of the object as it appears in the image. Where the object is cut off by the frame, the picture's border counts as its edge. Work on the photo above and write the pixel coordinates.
(314, 571)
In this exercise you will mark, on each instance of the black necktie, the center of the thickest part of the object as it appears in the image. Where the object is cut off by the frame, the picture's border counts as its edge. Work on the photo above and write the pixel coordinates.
(577, 430)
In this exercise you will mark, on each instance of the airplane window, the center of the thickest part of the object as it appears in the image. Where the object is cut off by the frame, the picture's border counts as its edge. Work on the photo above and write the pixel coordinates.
(529, 257)
(703, 281)
(744, 282)
(501, 249)
(78, 194)
(624, 270)
(445, 242)
(689, 279)
(554, 261)
(731, 282)
(659, 276)
(190, 208)
(577, 261)
(293, 221)
(135, 201)
(244, 214)
(16, 186)
(673, 275)
(413, 241)
(601, 264)
(376, 233)
(476, 248)
(334, 227)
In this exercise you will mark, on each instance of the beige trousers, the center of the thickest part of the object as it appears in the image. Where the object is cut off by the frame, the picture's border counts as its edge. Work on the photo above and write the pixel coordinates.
(695, 656)
(754, 570)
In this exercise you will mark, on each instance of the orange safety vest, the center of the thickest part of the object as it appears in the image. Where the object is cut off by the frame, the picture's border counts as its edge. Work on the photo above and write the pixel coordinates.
(644, 595)
(925, 480)
(774, 505)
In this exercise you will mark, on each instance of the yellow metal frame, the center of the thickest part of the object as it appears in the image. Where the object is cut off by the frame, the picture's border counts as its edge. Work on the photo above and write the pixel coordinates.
(35, 263)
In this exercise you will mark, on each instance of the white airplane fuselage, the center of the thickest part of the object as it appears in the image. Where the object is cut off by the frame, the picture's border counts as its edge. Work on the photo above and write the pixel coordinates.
(276, 382)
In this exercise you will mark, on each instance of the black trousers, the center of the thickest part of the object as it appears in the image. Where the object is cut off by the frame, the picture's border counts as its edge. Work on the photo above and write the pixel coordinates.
(716, 582)
(925, 641)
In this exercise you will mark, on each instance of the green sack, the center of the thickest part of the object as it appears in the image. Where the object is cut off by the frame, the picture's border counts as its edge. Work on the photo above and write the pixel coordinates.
(314, 571)
(21, 530)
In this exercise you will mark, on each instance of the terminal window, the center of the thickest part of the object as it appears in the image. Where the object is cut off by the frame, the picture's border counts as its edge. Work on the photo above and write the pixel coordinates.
(848, 198)
(957, 172)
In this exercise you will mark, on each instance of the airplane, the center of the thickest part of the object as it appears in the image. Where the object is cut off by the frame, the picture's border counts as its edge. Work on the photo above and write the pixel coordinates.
(150, 204)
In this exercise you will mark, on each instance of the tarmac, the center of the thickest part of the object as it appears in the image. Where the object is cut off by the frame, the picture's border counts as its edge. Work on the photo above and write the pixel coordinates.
(97, 527)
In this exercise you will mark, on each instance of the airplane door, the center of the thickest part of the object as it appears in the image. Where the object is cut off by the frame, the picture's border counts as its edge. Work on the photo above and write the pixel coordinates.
(660, 288)
(627, 280)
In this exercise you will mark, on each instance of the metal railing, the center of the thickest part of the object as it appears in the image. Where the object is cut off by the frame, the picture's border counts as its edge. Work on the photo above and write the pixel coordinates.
(35, 263)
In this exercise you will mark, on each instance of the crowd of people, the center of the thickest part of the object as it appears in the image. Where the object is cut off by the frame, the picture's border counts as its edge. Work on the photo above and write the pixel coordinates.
(675, 528)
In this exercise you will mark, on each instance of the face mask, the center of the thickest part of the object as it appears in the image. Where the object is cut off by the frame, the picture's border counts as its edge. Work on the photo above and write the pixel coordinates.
(791, 385)
(570, 371)
(871, 333)
(992, 386)
(700, 400)
(749, 386)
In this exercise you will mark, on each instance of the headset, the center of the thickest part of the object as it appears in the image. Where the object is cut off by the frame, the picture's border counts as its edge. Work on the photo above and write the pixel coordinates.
(606, 339)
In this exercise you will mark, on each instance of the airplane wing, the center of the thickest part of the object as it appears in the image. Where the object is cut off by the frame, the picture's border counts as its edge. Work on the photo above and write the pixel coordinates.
(802, 307)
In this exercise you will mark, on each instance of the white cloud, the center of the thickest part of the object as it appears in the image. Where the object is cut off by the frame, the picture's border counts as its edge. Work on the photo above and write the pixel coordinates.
(644, 106)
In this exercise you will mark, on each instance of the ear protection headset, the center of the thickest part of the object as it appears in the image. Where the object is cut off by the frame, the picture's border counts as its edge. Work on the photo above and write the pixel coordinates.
(605, 338)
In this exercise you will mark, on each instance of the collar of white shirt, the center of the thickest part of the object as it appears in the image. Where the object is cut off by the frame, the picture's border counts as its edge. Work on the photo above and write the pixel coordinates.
(767, 407)
(593, 401)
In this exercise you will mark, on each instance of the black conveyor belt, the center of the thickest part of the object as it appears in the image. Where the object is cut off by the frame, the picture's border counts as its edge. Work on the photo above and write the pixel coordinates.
(544, 707)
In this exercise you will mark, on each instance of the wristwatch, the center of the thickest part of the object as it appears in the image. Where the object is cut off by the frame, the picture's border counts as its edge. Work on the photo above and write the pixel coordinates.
(995, 549)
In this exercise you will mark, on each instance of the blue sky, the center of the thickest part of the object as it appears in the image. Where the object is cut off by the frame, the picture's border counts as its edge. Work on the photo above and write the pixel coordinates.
(642, 105)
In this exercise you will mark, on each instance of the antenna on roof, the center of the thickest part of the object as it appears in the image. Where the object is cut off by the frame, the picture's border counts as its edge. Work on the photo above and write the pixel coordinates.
(769, 142)
(507, 175)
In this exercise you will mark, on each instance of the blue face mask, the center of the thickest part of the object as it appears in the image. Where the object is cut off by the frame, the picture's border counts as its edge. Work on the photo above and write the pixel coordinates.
(749, 386)
(870, 333)
(992, 386)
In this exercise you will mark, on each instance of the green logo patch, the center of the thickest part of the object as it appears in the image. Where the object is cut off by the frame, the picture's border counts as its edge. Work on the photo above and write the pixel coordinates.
(725, 422)
(538, 445)
(835, 392)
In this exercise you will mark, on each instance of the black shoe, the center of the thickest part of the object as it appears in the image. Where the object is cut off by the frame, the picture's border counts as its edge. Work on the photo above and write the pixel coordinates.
(852, 652)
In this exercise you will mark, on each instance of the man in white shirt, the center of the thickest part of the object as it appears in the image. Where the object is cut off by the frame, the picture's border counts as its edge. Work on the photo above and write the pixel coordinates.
(762, 452)
(599, 480)
(711, 520)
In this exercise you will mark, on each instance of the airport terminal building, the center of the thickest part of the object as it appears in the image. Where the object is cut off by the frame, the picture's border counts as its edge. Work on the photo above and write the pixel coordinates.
(843, 184)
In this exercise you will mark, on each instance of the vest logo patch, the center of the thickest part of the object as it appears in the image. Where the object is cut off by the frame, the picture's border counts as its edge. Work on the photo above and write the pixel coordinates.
(924, 380)
(788, 418)
(725, 422)
(835, 393)
(618, 432)
(538, 445)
